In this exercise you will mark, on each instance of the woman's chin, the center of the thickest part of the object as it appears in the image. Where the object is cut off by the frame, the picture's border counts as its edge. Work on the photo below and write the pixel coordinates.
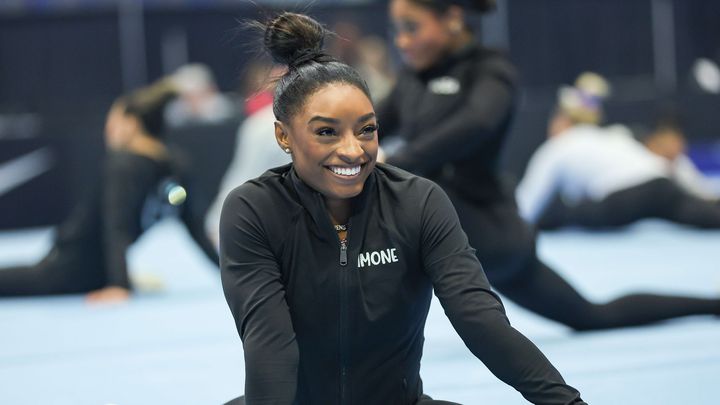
(343, 193)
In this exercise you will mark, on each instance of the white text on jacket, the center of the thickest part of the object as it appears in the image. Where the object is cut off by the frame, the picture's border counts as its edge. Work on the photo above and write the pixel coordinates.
(378, 257)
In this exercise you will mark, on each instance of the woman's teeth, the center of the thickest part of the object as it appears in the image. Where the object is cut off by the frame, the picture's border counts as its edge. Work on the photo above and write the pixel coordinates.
(345, 171)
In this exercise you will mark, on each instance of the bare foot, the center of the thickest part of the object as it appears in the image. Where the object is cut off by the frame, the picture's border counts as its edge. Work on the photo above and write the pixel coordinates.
(108, 295)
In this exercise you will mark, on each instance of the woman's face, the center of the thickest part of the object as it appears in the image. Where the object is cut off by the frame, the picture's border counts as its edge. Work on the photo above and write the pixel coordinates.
(117, 127)
(333, 140)
(667, 143)
(423, 36)
(558, 124)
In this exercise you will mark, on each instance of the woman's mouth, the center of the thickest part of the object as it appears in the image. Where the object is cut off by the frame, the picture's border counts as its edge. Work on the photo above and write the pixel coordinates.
(346, 171)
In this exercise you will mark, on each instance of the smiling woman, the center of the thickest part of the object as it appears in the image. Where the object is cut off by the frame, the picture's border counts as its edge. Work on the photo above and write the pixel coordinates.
(329, 263)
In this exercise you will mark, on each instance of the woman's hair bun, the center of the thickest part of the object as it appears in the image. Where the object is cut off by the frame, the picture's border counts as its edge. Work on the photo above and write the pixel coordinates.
(593, 85)
(290, 36)
(583, 102)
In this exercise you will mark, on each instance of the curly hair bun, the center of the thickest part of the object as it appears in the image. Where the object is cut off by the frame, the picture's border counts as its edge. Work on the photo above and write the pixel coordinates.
(593, 84)
(291, 36)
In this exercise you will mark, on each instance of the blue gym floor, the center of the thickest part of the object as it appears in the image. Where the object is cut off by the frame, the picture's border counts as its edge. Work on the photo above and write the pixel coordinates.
(179, 345)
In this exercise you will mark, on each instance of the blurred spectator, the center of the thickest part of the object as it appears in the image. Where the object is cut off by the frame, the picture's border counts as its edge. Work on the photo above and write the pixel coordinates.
(139, 178)
(199, 100)
(256, 149)
(597, 177)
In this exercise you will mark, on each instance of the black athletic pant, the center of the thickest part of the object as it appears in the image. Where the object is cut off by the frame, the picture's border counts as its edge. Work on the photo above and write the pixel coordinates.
(506, 248)
(424, 400)
(65, 270)
(659, 198)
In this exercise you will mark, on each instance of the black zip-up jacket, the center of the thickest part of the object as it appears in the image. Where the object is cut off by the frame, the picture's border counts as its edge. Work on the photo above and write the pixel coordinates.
(454, 117)
(325, 325)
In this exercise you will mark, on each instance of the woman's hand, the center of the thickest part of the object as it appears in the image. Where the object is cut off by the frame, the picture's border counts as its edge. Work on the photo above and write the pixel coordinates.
(108, 295)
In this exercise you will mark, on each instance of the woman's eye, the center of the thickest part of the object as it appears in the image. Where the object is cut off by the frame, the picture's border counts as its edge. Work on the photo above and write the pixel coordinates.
(406, 27)
(369, 130)
(325, 132)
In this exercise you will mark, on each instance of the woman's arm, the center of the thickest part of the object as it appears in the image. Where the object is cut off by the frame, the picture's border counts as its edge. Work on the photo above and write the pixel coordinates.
(126, 182)
(460, 134)
(256, 296)
(476, 312)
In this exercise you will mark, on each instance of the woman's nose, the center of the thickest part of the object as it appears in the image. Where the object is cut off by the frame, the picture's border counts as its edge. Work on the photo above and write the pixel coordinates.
(350, 149)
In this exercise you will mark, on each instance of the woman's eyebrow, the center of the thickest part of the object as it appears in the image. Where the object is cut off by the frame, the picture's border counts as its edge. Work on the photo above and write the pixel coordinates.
(324, 119)
(337, 121)
(366, 117)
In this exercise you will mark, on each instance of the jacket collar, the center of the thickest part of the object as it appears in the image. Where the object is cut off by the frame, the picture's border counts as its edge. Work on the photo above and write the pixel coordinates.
(446, 64)
(314, 203)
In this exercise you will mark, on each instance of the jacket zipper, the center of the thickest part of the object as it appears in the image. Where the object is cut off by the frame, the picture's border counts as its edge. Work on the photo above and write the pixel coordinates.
(343, 311)
(343, 252)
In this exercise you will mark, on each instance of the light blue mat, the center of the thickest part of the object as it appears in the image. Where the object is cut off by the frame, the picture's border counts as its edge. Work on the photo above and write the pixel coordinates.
(179, 346)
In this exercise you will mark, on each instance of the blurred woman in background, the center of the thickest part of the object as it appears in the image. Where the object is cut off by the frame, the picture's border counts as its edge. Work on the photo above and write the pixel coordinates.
(599, 177)
(88, 254)
(452, 106)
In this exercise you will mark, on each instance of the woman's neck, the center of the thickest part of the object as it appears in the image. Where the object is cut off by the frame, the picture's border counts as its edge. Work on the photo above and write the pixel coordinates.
(339, 210)
(457, 44)
(462, 40)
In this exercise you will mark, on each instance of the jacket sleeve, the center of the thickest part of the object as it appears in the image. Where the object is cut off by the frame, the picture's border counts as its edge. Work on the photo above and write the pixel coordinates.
(477, 313)
(254, 291)
(460, 134)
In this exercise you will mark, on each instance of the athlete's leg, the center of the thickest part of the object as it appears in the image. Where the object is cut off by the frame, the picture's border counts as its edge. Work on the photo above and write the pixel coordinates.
(62, 271)
(546, 293)
(659, 198)
(691, 210)
(506, 248)
(621, 208)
